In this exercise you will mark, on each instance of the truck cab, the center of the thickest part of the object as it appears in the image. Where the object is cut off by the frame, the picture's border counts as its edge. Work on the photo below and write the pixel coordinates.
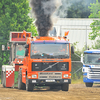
(91, 67)
(47, 63)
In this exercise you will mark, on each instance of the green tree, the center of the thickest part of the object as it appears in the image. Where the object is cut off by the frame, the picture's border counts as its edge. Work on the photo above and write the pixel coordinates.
(95, 13)
(97, 45)
(13, 17)
(78, 10)
(74, 8)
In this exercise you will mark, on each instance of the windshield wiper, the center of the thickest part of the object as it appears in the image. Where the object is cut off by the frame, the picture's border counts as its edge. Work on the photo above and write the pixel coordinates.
(47, 55)
(62, 56)
(37, 55)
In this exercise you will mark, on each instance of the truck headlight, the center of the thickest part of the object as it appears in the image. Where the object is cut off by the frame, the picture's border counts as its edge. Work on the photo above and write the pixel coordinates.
(34, 76)
(65, 75)
(84, 75)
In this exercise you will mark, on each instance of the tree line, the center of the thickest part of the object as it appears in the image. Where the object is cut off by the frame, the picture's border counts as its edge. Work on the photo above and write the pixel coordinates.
(13, 17)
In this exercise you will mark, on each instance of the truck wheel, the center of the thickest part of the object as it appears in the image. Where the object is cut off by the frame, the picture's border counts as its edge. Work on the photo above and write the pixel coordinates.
(89, 84)
(21, 85)
(65, 87)
(29, 87)
(4, 79)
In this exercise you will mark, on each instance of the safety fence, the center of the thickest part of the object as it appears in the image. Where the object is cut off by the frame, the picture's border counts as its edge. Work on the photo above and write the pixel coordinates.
(77, 70)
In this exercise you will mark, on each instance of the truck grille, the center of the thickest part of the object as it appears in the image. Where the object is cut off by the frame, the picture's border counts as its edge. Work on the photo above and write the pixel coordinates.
(94, 73)
(50, 66)
(50, 75)
(95, 70)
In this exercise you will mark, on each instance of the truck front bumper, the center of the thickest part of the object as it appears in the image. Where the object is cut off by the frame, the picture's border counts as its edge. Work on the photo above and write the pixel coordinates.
(87, 80)
(49, 82)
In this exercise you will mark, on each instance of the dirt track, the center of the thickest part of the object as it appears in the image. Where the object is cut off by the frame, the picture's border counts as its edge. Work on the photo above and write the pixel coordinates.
(76, 92)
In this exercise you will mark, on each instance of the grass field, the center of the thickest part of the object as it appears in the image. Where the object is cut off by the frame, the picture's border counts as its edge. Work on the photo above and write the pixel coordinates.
(77, 81)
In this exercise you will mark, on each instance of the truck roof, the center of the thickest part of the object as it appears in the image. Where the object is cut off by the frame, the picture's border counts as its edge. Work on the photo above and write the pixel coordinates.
(92, 51)
(47, 40)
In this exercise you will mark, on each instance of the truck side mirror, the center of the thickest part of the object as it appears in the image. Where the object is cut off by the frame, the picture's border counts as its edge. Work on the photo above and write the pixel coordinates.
(3, 47)
(82, 58)
(72, 49)
(26, 46)
(8, 46)
(26, 52)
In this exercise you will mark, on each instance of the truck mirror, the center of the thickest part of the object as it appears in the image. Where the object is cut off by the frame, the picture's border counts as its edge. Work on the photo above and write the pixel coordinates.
(82, 58)
(8, 46)
(26, 46)
(72, 49)
(3, 47)
(26, 52)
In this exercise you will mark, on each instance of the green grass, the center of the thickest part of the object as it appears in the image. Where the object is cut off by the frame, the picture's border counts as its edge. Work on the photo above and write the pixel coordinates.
(77, 81)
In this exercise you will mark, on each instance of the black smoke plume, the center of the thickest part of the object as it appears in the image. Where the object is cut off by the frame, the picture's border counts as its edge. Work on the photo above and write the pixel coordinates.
(43, 11)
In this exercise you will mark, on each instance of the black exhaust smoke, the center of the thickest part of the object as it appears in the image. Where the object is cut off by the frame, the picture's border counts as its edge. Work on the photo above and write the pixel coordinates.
(43, 11)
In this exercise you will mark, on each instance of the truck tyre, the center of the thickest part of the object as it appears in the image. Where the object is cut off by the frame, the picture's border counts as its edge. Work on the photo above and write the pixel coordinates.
(29, 87)
(89, 84)
(21, 85)
(65, 87)
(4, 79)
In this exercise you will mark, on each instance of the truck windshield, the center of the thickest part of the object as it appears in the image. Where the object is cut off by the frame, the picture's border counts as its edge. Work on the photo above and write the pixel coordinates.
(49, 51)
(20, 51)
(92, 59)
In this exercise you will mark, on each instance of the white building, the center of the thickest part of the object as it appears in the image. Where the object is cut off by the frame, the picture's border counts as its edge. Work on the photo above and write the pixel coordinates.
(79, 29)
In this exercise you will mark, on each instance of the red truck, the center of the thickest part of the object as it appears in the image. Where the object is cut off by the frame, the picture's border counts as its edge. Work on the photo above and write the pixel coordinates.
(9, 74)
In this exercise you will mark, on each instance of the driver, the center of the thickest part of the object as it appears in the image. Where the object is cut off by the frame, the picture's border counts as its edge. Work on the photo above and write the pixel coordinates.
(62, 48)
(35, 50)
(20, 52)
